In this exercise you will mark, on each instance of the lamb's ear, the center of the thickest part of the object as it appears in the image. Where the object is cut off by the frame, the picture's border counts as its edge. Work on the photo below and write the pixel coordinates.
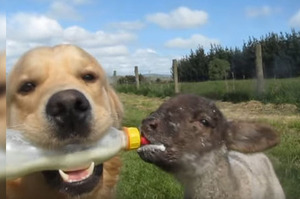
(250, 137)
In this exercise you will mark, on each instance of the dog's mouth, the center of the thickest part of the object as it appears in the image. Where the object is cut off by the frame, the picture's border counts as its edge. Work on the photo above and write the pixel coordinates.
(77, 174)
(75, 181)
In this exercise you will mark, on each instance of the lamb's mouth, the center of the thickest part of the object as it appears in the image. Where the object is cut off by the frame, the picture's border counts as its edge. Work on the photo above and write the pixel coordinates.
(152, 147)
(153, 153)
(75, 181)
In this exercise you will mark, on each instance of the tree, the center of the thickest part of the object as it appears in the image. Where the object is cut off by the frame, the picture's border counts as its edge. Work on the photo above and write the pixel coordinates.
(193, 67)
(280, 53)
(130, 79)
(218, 69)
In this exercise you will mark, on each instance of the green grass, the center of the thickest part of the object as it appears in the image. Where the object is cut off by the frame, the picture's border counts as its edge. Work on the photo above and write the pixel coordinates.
(276, 90)
(140, 180)
(286, 158)
(148, 89)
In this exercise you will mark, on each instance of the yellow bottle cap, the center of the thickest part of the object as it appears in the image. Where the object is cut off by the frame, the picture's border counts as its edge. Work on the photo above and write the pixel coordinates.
(133, 137)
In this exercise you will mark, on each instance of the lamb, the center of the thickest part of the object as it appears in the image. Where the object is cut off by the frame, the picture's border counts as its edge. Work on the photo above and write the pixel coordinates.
(212, 157)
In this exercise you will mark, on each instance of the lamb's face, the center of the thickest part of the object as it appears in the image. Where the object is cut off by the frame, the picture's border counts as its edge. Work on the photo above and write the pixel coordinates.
(186, 125)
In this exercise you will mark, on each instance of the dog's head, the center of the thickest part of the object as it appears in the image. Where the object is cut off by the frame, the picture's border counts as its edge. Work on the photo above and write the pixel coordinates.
(190, 126)
(60, 95)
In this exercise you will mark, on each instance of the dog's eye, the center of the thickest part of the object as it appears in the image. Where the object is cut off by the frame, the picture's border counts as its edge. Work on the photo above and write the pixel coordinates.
(88, 77)
(204, 122)
(27, 87)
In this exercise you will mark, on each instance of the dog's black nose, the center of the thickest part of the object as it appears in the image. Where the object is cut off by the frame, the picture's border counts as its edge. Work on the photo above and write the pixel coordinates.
(70, 111)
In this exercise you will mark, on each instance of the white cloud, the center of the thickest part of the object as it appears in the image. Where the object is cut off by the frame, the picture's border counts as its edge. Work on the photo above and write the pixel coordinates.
(76, 33)
(41, 29)
(109, 51)
(295, 20)
(74, 2)
(14, 49)
(26, 31)
(192, 42)
(63, 10)
(81, 2)
(2, 33)
(128, 25)
(145, 51)
(31, 27)
(147, 60)
(261, 11)
(180, 18)
(82, 37)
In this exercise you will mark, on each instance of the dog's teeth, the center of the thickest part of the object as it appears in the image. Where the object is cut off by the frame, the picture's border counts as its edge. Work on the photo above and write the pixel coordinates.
(64, 176)
(68, 178)
(90, 169)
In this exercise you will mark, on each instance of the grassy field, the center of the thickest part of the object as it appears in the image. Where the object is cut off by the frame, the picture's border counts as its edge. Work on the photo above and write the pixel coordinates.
(276, 90)
(140, 180)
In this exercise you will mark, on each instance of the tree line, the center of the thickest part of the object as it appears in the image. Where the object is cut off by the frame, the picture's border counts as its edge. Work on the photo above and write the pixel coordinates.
(280, 54)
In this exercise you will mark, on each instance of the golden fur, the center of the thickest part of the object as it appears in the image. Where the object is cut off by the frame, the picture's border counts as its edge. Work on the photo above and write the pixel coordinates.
(54, 69)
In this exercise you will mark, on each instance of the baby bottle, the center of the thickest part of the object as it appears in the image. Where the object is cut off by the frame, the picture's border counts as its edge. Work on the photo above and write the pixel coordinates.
(23, 157)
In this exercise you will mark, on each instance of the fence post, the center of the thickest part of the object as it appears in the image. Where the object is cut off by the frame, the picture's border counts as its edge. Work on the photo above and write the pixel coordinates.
(175, 71)
(137, 81)
(114, 78)
(259, 70)
(233, 82)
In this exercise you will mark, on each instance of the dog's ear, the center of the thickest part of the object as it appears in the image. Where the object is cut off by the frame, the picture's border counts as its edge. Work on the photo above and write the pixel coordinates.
(247, 137)
(116, 106)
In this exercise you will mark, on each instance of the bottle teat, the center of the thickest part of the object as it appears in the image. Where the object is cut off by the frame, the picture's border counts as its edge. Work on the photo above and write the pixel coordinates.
(134, 138)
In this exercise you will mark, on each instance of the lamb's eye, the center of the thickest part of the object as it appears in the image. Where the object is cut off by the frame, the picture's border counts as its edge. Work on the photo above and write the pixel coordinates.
(204, 122)
(89, 77)
(27, 87)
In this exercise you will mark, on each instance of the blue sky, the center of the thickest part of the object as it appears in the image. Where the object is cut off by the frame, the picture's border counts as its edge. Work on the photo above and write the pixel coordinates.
(145, 33)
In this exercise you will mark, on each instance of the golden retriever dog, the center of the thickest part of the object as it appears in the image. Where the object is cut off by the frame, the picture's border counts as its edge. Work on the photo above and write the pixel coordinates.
(56, 96)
